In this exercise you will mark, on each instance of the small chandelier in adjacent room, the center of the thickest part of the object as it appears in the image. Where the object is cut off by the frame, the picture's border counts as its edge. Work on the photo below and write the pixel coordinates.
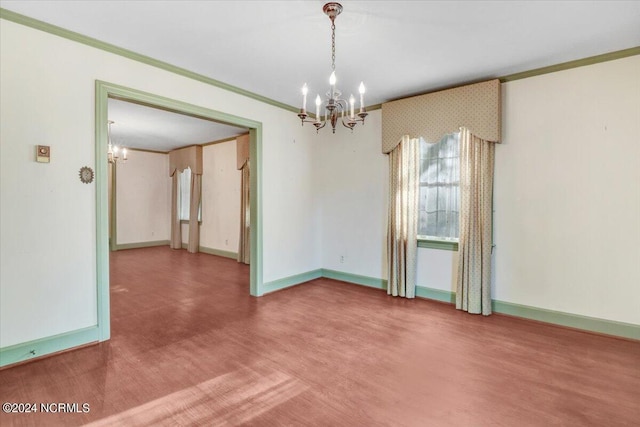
(333, 107)
(113, 151)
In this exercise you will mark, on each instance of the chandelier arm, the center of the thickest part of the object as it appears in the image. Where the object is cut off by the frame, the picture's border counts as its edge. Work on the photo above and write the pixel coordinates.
(334, 106)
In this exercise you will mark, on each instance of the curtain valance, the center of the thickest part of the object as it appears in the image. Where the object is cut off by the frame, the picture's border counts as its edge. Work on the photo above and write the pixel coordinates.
(434, 115)
(188, 157)
(242, 146)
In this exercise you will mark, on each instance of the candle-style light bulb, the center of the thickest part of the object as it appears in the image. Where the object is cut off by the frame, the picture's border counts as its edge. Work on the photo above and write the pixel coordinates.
(318, 102)
(115, 151)
(332, 82)
(361, 90)
(305, 90)
(124, 154)
(352, 102)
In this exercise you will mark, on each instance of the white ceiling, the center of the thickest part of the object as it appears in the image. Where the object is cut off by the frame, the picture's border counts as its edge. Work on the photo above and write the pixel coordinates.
(398, 48)
(142, 127)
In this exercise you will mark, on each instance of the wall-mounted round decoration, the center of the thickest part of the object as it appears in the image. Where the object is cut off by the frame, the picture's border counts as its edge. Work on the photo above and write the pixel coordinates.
(86, 174)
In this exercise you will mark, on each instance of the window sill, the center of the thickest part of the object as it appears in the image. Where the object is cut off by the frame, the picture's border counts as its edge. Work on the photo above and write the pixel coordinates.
(444, 245)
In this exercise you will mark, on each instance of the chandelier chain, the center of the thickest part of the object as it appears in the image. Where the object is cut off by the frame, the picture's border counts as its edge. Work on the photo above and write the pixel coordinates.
(333, 45)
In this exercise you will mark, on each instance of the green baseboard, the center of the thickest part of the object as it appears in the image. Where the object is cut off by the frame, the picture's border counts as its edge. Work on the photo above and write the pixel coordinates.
(287, 282)
(436, 294)
(138, 245)
(570, 320)
(592, 324)
(354, 278)
(43, 346)
(219, 252)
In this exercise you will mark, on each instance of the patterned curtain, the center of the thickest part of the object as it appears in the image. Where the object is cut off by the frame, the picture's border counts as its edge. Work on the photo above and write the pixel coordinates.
(402, 243)
(194, 207)
(176, 229)
(473, 290)
(244, 243)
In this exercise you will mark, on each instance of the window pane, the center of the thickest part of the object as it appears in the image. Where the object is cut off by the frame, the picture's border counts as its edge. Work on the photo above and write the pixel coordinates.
(445, 173)
(429, 173)
(424, 146)
(185, 193)
(422, 223)
(432, 220)
(422, 198)
(439, 197)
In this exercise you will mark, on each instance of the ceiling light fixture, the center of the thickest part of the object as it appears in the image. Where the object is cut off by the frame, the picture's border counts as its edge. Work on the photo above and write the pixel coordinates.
(113, 151)
(334, 107)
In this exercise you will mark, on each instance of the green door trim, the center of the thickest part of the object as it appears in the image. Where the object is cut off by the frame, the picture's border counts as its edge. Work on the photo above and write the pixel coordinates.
(104, 91)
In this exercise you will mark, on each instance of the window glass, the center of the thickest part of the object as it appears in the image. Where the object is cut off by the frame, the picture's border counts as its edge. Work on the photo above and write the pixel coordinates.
(439, 205)
(184, 192)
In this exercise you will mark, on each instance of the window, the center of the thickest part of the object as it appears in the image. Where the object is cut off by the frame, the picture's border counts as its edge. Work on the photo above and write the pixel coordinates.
(439, 204)
(185, 195)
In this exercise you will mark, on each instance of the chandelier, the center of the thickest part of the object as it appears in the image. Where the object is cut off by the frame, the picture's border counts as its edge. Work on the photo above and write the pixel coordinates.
(113, 151)
(333, 107)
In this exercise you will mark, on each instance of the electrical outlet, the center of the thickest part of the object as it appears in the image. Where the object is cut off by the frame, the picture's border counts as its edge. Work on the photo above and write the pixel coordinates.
(341, 259)
(226, 242)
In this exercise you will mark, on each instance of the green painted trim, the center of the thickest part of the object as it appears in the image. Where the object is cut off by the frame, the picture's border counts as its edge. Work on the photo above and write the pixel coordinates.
(104, 91)
(107, 47)
(436, 294)
(255, 209)
(89, 41)
(113, 237)
(102, 213)
(577, 321)
(43, 346)
(139, 245)
(438, 244)
(287, 282)
(218, 252)
(592, 324)
(354, 278)
(156, 101)
(610, 56)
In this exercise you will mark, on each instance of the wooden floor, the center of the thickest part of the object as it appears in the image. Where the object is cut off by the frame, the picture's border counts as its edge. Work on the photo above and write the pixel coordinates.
(189, 346)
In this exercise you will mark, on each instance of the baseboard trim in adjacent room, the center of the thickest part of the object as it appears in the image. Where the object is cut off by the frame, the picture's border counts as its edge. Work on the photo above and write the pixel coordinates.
(287, 282)
(216, 252)
(576, 321)
(219, 252)
(45, 346)
(142, 245)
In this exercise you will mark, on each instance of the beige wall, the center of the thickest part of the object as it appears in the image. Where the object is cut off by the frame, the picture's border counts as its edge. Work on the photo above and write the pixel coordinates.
(567, 192)
(220, 197)
(566, 196)
(351, 188)
(143, 198)
(48, 217)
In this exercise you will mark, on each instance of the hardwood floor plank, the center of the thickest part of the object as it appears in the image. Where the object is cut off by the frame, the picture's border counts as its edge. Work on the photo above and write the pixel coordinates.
(190, 347)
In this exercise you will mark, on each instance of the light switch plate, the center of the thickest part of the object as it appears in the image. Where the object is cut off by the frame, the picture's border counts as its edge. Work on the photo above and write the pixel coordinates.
(43, 153)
